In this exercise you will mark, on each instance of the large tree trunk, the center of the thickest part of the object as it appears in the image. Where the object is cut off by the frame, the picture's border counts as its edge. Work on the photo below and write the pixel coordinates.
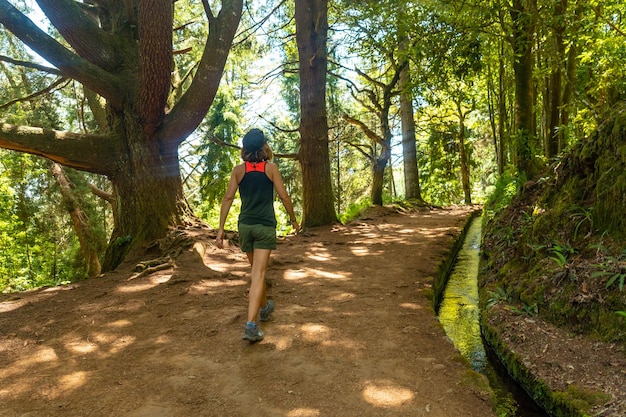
(409, 147)
(523, 17)
(311, 35)
(150, 202)
(502, 113)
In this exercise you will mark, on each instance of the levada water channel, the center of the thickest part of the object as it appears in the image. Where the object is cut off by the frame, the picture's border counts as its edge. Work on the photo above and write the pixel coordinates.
(458, 312)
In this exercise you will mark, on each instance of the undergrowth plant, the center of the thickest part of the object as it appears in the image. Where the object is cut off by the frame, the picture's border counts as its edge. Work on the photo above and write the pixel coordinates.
(612, 267)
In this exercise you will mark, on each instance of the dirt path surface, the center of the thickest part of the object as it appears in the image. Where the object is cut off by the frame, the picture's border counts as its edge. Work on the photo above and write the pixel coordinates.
(353, 334)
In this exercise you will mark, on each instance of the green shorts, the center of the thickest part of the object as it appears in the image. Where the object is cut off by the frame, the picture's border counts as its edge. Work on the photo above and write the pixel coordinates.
(256, 236)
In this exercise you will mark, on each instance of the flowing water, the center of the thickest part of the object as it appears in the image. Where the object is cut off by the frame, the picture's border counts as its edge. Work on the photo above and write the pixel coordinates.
(459, 315)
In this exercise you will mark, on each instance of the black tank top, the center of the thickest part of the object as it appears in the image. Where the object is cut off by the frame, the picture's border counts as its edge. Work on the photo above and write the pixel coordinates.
(257, 196)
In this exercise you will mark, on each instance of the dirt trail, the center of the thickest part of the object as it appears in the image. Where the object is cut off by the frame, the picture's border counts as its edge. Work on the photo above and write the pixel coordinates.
(353, 334)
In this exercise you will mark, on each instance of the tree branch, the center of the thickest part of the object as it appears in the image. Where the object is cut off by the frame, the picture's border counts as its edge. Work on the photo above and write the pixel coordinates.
(81, 30)
(192, 107)
(68, 63)
(31, 65)
(360, 148)
(155, 61)
(364, 128)
(35, 94)
(85, 152)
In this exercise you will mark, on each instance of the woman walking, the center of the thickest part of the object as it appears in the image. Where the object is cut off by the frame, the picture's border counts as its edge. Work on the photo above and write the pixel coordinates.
(256, 179)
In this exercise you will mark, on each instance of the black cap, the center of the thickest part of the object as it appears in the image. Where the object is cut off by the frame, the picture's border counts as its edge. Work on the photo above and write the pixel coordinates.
(254, 140)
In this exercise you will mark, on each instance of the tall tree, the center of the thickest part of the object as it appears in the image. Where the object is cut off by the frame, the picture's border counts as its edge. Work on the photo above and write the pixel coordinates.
(311, 36)
(125, 55)
(523, 17)
(409, 142)
(378, 100)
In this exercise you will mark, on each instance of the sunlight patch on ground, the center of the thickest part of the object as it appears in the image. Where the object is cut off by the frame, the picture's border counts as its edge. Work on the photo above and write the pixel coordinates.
(282, 343)
(315, 332)
(321, 334)
(82, 347)
(7, 306)
(360, 251)
(436, 232)
(345, 296)
(144, 286)
(213, 286)
(44, 354)
(120, 323)
(17, 301)
(221, 266)
(217, 284)
(303, 412)
(103, 338)
(324, 274)
(122, 343)
(73, 381)
(319, 257)
(295, 274)
(411, 306)
(386, 394)
(299, 274)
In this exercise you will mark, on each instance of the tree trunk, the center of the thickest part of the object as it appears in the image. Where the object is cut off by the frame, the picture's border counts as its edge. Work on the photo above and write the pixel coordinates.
(572, 61)
(378, 181)
(556, 103)
(80, 222)
(311, 35)
(409, 147)
(151, 201)
(502, 113)
(465, 170)
(522, 15)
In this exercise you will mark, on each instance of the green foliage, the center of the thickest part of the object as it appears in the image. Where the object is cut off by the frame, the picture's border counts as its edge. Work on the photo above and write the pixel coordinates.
(354, 210)
(527, 309)
(613, 267)
(215, 162)
(560, 253)
(498, 296)
(439, 173)
(581, 216)
(581, 398)
(505, 189)
(37, 244)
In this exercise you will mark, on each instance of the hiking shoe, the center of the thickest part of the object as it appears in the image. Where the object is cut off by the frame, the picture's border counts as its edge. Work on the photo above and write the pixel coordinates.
(264, 312)
(253, 333)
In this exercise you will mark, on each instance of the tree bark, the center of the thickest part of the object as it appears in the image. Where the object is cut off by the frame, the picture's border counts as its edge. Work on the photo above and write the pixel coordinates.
(465, 170)
(80, 222)
(523, 17)
(557, 67)
(502, 114)
(311, 35)
(409, 143)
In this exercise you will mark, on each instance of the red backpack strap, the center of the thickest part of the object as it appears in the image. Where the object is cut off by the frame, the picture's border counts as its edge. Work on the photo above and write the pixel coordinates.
(255, 166)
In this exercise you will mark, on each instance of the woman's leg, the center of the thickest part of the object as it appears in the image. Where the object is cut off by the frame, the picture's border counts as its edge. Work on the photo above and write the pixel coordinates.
(257, 297)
